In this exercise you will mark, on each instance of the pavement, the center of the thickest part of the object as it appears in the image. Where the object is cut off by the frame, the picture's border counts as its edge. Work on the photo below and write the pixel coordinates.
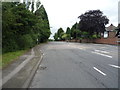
(20, 73)
(77, 65)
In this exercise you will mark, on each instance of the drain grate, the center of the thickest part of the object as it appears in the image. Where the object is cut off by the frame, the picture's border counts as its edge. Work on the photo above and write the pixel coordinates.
(42, 67)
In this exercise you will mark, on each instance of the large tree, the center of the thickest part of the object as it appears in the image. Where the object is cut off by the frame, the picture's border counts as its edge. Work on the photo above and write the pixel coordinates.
(55, 37)
(75, 32)
(22, 28)
(60, 32)
(93, 22)
(68, 33)
(43, 27)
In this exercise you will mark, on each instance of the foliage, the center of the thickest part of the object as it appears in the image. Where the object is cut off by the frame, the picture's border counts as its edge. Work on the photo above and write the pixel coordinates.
(59, 34)
(85, 35)
(94, 36)
(64, 36)
(25, 41)
(68, 31)
(50, 40)
(93, 22)
(21, 27)
(56, 37)
(91, 25)
(74, 31)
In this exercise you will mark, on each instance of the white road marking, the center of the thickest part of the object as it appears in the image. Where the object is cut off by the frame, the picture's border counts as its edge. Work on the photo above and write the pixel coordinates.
(102, 54)
(103, 47)
(114, 66)
(99, 71)
(101, 51)
(81, 48)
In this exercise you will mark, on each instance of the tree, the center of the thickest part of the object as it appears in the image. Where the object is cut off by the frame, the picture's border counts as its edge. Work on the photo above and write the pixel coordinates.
(64, 36)
(42, 26)
(74, 31)
(93, 22)
(56, 37)
(21, 27)
(68, 32)
(60, 32)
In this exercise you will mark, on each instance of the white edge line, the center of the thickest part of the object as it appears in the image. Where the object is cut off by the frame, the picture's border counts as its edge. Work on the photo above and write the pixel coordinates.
(114, 66)
(103, 54)
(99, 71)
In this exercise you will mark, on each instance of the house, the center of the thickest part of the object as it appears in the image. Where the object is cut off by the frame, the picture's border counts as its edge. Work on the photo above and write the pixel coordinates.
(110, 31)
(109, 36)
(111, 28)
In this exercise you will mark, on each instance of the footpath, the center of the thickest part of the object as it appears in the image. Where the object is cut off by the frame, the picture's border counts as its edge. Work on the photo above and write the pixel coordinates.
(20, 73)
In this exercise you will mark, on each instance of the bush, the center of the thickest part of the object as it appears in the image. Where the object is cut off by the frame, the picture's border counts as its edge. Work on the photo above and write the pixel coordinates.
(34, 37)
(25, 41)
(9, 45)
(50, 40)
(94, 36)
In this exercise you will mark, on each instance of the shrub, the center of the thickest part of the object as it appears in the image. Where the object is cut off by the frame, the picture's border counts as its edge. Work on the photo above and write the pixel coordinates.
(94, 36)
(9, 45)
(25, 41)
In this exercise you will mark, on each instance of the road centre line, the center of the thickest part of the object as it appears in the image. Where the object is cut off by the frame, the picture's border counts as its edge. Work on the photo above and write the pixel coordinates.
(114, 66)
(102, 54)
(99, 71)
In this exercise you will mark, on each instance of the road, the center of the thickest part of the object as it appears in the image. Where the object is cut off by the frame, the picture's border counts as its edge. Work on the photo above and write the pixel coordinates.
(76, 65)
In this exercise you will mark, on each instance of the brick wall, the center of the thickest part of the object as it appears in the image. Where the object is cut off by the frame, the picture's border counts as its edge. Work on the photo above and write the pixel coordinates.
(106, 41)
(110, 40)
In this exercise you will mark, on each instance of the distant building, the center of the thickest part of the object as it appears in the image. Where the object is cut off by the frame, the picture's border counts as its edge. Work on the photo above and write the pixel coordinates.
(110, 31)
(111, 28)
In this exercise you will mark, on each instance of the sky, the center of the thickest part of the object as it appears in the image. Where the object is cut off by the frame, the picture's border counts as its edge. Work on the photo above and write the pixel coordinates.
(119, 12)
(64, 13)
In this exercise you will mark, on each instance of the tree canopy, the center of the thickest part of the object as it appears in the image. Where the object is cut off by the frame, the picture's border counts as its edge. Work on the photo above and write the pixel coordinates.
(21, 28)
(91, 25)
(93, 22)
(58, 36)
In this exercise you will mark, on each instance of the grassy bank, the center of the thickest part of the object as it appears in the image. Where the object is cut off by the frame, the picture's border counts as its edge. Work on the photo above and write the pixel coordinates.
(7, 58)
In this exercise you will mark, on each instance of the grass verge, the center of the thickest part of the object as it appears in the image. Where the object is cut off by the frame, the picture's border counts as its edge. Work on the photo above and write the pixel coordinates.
(9, 57)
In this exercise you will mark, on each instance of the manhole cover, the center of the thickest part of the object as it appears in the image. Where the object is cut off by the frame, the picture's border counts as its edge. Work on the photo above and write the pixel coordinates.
(42, 67)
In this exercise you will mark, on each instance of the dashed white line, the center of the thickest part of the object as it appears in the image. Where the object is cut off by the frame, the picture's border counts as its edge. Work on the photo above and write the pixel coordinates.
(114, 66)
(99, 71)
(102, 54)
(101, 51)
(103, 47)
(81, 48)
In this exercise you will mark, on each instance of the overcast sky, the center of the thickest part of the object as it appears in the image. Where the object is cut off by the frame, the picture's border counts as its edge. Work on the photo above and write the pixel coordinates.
(64, 13)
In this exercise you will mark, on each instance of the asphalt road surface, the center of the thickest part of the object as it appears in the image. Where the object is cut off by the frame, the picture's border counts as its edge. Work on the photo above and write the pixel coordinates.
(76, 65)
